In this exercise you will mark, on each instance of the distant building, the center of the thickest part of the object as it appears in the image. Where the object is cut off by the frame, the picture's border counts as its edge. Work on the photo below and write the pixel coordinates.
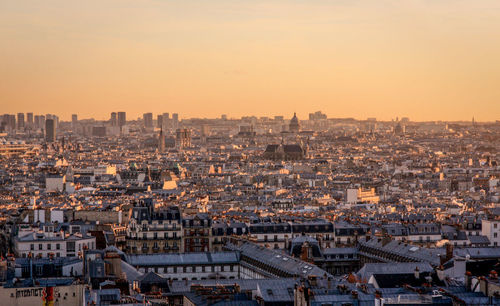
(399, 129)
(29, 119)
(183, 137)
(359, 195)
(161, 142)
(165, 120)
(74, 120)
(20, 120)
(122, 118)
(317, 116)
(55, 183)
(114, 119)
(175, 120)
(294, 125)
(148, 120)
(50, 130)
(99, 131)
(285, 152)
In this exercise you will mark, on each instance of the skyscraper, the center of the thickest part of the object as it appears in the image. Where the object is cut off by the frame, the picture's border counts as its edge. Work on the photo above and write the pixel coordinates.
(122, 118)
(175, 120)
(11, 121)
(148, 120)
(20, 120)
(29, 119)
(114, 119)
(50, 130)
(39, 121)
(74, 121)
(166, 121)
(159, 121)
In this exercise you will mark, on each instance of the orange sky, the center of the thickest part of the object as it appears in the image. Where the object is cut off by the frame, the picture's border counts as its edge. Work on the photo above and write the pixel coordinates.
(425, 59)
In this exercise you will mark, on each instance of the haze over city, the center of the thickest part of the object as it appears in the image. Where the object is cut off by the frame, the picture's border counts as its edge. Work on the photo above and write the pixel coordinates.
(428, 60)
(250, 153)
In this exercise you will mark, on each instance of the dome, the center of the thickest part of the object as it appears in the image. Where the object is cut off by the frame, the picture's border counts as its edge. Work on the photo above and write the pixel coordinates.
(294, 123)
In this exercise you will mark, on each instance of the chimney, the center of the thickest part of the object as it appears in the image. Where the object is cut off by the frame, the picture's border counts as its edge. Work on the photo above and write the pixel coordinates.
(468, 280)
(449, 251)
(416, 273)
(354, 294)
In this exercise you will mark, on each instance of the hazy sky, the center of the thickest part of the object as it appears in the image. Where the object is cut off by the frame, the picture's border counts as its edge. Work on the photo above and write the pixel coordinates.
(426, 59)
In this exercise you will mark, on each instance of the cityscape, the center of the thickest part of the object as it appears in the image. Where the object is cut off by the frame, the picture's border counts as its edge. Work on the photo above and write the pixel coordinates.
(249, 153)
(250, 211)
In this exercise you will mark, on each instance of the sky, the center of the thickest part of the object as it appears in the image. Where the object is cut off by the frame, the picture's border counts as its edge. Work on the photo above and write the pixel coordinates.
(423, 59)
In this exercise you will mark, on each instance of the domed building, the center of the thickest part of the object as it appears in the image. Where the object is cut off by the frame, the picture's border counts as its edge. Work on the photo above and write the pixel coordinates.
(294, 126)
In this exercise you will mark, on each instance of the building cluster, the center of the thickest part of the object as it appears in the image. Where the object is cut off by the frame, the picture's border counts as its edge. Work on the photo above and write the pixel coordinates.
(248, 211)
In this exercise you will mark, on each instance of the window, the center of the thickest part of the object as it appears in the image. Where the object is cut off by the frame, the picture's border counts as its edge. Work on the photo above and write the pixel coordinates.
(495, 225)
(40, 246)
(495, 235)
(32, 246)
(58, 246)
(70, 245)
(49, 246)
(39, 270)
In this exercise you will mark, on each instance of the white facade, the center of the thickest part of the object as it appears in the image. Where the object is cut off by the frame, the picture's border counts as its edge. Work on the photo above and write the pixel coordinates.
(55, 184)
(46, 244)
(491, 229)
